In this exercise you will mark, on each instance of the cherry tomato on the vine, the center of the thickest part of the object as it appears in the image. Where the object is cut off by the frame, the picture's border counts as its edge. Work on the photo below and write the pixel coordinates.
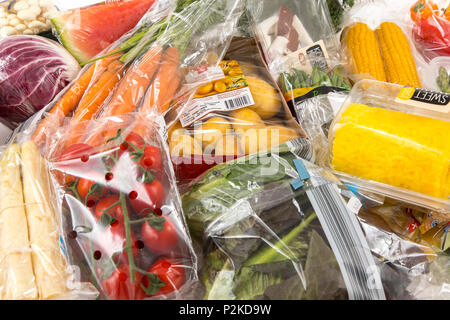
(173, 276)
(119, 286)
(160, 235)
(112, 242)
(73, 160)
(151, 159)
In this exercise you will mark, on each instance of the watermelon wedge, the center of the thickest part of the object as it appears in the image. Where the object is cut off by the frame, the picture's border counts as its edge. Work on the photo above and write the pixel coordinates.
(86, 32)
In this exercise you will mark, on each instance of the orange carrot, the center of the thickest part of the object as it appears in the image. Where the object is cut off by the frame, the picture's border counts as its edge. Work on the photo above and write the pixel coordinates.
(69, 100)
(134, 84)
(163, 83)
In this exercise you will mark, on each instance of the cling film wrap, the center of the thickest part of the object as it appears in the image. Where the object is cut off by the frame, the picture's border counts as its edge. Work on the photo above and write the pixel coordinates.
(122, 210)
(34, 262)
(240, 113)
(27, 17)
(301, 49)
(252, 252)
(412, 260)
(76, 24)
(308, 252)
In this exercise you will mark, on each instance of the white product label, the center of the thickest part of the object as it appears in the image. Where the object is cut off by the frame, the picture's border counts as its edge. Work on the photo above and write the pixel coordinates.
(354, 205)
(227, 101)
(74, 4)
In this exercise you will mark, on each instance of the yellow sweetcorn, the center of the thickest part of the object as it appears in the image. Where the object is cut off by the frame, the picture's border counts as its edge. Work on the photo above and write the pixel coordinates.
(363, 45)
(394, 148)
(399, 62)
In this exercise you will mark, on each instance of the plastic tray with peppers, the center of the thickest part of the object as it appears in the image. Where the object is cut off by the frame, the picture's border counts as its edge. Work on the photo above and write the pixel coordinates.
(122, 212)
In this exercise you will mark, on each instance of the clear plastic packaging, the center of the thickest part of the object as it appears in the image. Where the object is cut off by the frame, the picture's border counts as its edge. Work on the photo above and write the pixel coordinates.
(122, 210)
(33, 70)
(84, 98)
(34, 262)
(394, 140)
(367, 38)
(431, 29)
(26, 17)
(315, 249)
(240, 113)
(301, 49)
(412, 250)
(77, 25)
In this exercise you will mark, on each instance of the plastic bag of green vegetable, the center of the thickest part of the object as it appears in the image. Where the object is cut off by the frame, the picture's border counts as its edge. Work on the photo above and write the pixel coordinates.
(277, 227)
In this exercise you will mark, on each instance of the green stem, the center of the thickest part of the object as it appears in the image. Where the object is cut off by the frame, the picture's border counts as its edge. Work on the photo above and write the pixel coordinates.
(129, 250)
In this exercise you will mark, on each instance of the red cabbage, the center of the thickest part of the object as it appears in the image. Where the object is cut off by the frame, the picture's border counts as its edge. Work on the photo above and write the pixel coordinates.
(33, 70)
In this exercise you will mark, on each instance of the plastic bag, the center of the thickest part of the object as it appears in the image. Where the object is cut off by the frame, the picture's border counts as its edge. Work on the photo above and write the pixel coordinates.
(77, 24)
(34, 262)
(25, 17)
(240, 113)
(413, 255)
(315, 249)
(301, 49)
(123, 210)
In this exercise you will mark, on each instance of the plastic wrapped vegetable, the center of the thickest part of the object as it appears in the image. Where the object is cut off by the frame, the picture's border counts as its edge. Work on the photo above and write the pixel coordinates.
(124, 211)
(240, 113)
(396, 136)
(33, 261)
(86, 32)
(255, 252)
(373, 53)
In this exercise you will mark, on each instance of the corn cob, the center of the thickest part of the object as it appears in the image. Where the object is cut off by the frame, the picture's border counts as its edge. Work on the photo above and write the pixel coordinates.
(365, 51)
(399, 62)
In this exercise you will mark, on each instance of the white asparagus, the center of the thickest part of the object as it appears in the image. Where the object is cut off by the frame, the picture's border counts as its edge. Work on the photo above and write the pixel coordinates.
(50, 266)
(305, 38)
(17, 281)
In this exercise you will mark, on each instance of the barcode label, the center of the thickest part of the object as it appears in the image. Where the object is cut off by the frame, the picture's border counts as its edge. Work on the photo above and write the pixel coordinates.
(346, 238)
(302, 148)
(227, 101)
(238, 102)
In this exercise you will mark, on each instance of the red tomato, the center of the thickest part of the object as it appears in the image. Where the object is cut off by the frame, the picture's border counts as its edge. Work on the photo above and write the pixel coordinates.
(85, 185)
(160, 241)
(119, 287)
(151, 160)
(115, 212)
(147, 196)
(112, 240)
(73, 159)
(173, 276)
